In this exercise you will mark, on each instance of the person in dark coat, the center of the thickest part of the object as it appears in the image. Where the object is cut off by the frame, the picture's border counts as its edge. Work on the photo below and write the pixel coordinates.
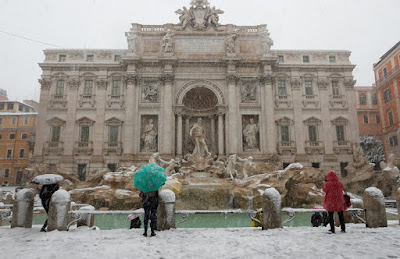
(45, 195)
(316, 219)
(150, 204)
(325, 219)
(135, 223)
(334, 200)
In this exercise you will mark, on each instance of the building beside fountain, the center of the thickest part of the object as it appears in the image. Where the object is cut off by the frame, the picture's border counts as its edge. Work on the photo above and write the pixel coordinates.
(116, 107)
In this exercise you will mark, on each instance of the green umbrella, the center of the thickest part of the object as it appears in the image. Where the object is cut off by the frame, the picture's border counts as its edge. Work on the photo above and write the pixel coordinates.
(149, 178)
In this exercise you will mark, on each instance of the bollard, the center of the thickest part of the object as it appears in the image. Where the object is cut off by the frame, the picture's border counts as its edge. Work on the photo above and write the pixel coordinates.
(374, 203)
(271, 203)
(58, 212)
(23, 209)
(166, 210)
(86, 219)
(398, 202)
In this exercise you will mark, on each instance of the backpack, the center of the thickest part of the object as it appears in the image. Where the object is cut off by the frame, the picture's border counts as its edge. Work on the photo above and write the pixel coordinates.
(347, 200)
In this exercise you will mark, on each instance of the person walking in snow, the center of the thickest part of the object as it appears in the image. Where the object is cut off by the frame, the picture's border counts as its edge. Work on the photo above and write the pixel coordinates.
(45, 195)
(150, 205)
(334, 200)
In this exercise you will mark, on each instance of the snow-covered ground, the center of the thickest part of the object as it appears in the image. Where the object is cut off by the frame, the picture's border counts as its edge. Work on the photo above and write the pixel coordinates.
(300, 242)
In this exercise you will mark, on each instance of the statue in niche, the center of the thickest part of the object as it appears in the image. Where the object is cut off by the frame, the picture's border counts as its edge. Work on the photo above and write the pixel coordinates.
(150, 92)
(167, 42)
(249, 92)
(250, 135)
(197, 134)
(230, 44)
(149, 136)
(248, 166)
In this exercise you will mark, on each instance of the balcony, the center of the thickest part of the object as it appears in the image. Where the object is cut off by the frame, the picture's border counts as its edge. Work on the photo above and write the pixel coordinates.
(57, 100)
(83, 148)
(53, 148)
(337, 100)
(287, 147)
(112, 147)
(314, 147)
(117, 99)
(389, 76)
(89, 99)
(310, 100)
(342, 146)
(283, 100)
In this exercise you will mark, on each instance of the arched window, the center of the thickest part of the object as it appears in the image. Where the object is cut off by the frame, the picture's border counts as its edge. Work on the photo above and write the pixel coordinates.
(374, 100)
(363, 99)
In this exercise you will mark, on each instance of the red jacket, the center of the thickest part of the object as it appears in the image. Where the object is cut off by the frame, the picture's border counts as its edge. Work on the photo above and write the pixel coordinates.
(333, 189)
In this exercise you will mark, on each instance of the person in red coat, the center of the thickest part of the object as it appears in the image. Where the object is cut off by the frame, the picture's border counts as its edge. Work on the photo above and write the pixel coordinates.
(334, 200)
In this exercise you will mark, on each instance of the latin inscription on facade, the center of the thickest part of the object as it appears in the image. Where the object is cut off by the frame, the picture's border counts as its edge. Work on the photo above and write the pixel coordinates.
(200, 45)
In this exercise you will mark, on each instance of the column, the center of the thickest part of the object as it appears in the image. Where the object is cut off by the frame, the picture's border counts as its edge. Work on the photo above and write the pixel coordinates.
(41, 125)
(212, 118)
(179, 135)
(327, 133)
(220, 134)
(233, 113)
(270, 118)
(168, 118)
(130, 108)
(263, 119)
(98, 136)
(297, 116)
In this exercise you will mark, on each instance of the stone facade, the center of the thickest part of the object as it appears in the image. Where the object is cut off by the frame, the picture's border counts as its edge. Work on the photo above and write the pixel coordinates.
(117, 107)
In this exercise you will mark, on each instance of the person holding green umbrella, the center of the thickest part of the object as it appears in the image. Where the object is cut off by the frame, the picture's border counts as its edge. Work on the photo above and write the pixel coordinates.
(149, 179)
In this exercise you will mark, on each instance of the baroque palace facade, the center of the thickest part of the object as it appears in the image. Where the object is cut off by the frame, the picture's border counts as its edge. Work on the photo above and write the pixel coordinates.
(112, 108)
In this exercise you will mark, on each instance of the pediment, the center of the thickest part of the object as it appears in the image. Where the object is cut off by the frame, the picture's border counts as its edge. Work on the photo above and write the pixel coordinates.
(312, 120)
(85, 120)
(56, 121)
(340, 120)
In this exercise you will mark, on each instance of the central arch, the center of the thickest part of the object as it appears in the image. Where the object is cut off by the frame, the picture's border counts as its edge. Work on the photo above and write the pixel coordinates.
(203, 86)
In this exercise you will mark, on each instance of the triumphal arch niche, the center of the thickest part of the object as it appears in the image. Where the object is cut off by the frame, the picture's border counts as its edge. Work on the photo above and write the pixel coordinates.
(196, 89)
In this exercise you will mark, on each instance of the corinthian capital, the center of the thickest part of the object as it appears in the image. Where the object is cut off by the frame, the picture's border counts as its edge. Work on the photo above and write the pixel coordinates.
(232, 79)
(167, 78)
(266, 79)
(132, 79)
(350, 83)
(45, 83)
(73, 83)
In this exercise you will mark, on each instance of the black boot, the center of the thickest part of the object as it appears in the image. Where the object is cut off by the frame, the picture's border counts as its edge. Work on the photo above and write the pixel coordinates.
(145, 233)
(153, 233)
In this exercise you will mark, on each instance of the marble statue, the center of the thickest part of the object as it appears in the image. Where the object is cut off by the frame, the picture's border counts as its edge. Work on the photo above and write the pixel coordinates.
(170, 165)
(197, 134)
(150, 92)
(250, 135)
(154, 158)
(231, 166)
(249, 92)
(131, 38)
(266, 42)
(199, 3)
(248, 166)
(185, 16)
(149, 136)
(230, 44)
(167, 42)
(212, 16)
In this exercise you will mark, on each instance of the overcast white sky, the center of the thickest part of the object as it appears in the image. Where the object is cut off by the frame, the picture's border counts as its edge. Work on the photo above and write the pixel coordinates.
(368, 28)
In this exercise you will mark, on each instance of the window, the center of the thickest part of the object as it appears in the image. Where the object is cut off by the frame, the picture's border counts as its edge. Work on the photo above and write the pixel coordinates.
(343, 170)
(387, 95)
(308, 87)
(20, 108)
(26, 120)
(82, 172)
(374, 100)
(113, 137)
(340, 133)
(332, 59)
(24, 136)
(60, 87)
(87, 90)
(312, 133)
(280, 59)
(282, 88)
(385, 74)
(12, 136)
(117, 58)
(26, 109)
(335, 88)
(315, 165)
(1, 121)
(14, 121)
(363, 99)
(21, 153)
(116, 88)
(9, 153)
(1, 106)
(6, 173)
(10, 106)
(84, 133)
(393, 141)
(365, 118)
(390, 116)
(55, 133)
(90, 58)
(284, 133)
(62, 58)
(306, 59)
(112, 167)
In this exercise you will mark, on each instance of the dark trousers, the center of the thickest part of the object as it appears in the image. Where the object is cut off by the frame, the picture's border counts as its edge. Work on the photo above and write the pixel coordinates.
(332, 221)
(150, 212)
(46, 206)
